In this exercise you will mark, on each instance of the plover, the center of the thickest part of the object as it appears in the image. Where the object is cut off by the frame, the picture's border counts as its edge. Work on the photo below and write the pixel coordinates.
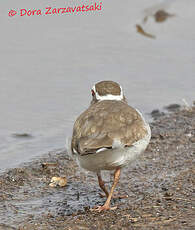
(109, 135)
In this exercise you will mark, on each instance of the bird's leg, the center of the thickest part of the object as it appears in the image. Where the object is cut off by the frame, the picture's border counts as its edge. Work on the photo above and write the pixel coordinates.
(106, 206)
(116, 179)
(102, 184)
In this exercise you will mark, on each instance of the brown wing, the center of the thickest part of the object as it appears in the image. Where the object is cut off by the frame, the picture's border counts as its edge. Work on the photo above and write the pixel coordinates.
(102, 123)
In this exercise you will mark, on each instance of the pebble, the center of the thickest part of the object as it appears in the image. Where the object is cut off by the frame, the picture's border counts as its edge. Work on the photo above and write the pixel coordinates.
(55, 181)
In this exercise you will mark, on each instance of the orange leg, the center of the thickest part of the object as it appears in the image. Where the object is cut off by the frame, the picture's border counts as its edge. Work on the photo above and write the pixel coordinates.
(102, 184)
(106, 206)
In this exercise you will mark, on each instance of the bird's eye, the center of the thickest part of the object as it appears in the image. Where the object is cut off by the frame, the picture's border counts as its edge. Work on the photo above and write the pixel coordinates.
(92, 93)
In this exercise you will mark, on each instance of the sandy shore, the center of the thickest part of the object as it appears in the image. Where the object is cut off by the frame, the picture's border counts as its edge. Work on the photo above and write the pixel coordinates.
(159, 186)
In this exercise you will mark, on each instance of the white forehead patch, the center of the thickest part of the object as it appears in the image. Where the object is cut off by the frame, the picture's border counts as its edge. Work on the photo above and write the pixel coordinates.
(108, 96)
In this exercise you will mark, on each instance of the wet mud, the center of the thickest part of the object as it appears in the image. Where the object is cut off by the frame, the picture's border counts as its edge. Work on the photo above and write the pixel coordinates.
(159, 185)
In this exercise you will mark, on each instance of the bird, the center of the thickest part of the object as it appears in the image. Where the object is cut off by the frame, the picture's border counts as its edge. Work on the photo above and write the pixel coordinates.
(108, 135)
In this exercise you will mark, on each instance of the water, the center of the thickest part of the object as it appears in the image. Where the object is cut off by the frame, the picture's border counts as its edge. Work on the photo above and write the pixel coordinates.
(49, 64)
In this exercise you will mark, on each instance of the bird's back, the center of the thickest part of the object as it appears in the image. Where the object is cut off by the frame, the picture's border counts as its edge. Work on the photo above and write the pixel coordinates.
(105, 122)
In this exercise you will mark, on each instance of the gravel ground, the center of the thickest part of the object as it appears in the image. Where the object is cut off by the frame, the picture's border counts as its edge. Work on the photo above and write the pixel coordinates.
(159, 185)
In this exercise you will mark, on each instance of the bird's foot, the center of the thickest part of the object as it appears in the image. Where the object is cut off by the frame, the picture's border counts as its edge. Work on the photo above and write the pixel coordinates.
(115, 196)
(102, 208)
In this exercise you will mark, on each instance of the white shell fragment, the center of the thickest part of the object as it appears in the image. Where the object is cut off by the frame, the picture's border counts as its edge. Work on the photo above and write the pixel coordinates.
(55, 181)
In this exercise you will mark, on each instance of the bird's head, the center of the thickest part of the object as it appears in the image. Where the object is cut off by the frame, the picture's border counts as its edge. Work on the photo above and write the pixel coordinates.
(107, 90)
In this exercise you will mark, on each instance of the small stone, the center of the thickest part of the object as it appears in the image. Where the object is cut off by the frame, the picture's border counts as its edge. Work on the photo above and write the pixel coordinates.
(55, 181)
(48, 164)
(22, 135)
(156, 113)
(173, 107)
(133, 220)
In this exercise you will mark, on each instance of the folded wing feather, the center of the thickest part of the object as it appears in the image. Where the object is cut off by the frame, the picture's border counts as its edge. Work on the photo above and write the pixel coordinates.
(104, 122)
